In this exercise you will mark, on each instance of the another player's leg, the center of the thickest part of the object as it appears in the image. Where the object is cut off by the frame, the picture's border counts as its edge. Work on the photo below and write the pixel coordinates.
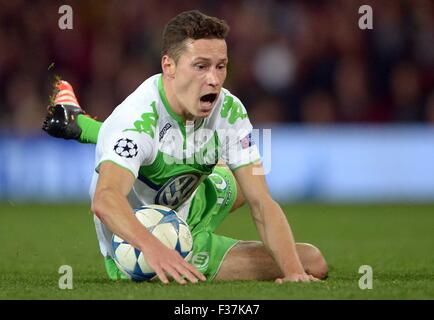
(66, 119)
(250, 260)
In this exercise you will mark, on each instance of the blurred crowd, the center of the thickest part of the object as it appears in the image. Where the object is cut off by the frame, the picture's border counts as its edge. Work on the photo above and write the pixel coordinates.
(289, 61)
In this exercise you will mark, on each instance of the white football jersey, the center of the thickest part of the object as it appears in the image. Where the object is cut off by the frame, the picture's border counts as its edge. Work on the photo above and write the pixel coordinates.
(170, 157)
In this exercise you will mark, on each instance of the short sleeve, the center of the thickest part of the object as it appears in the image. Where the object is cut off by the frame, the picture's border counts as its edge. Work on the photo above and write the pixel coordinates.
(238, 146)
(127, 138)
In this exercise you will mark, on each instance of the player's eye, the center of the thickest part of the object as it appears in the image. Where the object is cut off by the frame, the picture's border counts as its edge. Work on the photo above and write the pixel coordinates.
(199, 66)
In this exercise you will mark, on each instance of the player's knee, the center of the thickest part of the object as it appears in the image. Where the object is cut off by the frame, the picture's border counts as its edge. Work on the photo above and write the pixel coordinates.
(239, 201)
(318, 266)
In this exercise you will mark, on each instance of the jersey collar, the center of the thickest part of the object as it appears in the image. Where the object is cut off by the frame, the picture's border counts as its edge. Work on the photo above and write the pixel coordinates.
(177, 118)
(166, 102)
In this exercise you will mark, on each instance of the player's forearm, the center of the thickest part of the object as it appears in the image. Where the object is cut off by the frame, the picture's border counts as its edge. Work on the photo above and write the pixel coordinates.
(277, 236)
(113, 210)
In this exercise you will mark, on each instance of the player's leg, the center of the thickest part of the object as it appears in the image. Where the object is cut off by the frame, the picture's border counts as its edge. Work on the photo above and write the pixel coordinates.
(250, 260)
(113, 271)
(211, 204)
(240, 200)
(89, 129)
(66, 119)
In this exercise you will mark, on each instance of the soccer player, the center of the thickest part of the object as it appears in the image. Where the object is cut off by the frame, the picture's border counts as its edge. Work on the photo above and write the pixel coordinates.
(162, 144)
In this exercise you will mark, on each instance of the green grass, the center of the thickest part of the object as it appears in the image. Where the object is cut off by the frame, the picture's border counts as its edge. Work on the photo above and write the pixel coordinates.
(397, 241)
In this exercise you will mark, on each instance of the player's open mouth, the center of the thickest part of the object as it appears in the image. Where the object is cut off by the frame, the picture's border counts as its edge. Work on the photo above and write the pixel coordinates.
(208, 99)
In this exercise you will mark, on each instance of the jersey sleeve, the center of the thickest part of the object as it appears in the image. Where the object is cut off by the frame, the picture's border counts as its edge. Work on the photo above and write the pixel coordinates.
(238, 146)
(127, 138)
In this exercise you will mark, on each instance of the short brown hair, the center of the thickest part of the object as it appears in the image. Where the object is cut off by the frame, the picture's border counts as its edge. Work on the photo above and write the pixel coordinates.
(190, 25)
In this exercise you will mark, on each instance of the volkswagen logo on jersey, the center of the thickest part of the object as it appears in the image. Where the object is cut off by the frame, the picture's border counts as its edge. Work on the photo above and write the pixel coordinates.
(176, 190)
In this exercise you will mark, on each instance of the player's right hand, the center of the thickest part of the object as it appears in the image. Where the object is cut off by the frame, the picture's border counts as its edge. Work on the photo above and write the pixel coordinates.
(168, 262)
(297, 277)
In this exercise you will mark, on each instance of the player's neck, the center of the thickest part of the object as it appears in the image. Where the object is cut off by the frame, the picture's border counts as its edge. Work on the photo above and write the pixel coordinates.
(174, 104)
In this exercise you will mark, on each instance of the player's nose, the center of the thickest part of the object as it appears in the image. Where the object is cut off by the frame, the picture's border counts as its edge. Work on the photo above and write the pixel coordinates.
(212, 78)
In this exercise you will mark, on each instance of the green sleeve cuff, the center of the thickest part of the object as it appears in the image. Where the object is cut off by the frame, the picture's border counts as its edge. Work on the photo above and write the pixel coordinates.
(129, 170)
(247, 164)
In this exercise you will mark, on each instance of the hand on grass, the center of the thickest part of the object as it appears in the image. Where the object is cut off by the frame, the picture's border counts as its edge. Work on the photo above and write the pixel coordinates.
(297, 277)
(168, 262)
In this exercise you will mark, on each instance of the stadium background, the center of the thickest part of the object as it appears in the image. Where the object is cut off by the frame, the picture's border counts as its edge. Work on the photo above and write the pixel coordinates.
(351, 112)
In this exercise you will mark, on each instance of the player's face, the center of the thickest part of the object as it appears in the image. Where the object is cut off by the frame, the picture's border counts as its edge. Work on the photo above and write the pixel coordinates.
(199, 76)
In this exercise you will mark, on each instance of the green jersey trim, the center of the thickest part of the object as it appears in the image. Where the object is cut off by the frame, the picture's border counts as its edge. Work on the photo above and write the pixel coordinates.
(170, 111)
(166, 102)
(119, 165)
(247, 164)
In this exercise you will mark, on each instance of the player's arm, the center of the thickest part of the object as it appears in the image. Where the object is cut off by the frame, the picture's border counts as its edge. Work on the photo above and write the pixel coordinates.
(271, 223)
(111, 206)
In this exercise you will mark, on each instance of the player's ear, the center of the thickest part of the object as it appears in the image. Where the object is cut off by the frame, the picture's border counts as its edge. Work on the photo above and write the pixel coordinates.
(168, 66)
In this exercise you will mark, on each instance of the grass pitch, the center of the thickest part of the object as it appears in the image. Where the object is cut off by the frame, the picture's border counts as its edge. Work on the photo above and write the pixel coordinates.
(397, 241)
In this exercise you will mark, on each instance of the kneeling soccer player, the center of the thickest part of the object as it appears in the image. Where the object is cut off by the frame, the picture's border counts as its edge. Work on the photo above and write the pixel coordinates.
(162, 144)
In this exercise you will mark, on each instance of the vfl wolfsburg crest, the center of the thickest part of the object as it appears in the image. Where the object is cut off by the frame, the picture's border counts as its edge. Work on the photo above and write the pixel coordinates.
(177, 189)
